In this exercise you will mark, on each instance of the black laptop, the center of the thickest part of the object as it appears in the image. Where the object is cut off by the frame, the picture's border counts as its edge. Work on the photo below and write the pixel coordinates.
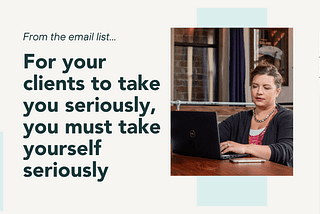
(197, 134)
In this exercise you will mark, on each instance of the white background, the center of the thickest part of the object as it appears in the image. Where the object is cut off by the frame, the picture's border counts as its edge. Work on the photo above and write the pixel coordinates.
(138, 179)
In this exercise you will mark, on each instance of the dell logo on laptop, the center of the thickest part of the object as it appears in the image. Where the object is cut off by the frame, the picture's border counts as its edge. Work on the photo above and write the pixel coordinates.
(192, 134)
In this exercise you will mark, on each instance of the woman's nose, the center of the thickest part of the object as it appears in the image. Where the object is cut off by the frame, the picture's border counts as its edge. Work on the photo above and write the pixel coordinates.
(259, 90)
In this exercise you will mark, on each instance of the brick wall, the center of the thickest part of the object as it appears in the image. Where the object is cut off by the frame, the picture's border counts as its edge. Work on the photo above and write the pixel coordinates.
(180, 64)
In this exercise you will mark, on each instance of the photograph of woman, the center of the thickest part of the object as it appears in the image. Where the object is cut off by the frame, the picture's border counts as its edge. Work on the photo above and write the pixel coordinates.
(267, 130)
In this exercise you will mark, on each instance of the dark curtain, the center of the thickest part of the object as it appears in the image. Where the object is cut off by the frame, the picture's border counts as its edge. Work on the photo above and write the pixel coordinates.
(237, 66)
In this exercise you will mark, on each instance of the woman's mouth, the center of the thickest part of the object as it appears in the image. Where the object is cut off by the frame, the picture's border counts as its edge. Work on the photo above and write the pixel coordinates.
(259, 99)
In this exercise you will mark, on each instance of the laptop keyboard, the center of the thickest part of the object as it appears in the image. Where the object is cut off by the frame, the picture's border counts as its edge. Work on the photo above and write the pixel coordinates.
(230, 155)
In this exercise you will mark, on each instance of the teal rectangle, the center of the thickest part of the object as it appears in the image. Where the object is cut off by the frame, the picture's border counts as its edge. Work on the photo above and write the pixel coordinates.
(231, 191)
(232, 17)
(1, 171)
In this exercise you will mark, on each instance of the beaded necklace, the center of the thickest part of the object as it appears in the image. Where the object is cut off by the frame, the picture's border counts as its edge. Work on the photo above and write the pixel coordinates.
(260, 121)
(257, 139)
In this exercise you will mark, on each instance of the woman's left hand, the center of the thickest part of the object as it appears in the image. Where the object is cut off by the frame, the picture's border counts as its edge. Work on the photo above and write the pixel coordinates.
(231, 146)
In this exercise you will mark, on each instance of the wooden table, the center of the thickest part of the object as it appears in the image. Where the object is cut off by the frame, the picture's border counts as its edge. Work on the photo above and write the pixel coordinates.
(188, 165)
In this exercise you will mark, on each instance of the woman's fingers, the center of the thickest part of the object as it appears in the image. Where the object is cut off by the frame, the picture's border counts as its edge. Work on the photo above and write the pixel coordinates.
(225, 145)
(225, 151)
(230, 146)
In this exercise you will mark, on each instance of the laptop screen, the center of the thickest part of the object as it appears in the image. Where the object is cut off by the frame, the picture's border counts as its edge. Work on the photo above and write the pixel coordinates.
(195, 134)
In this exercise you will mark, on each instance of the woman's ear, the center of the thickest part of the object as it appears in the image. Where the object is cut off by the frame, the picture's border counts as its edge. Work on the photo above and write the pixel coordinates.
(278, 92)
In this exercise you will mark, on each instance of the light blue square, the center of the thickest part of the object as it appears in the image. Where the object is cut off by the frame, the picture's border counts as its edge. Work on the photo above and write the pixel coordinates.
(232, 17)
(231, 191)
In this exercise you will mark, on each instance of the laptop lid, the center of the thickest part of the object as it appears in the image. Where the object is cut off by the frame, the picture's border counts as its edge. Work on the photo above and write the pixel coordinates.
(195, 134)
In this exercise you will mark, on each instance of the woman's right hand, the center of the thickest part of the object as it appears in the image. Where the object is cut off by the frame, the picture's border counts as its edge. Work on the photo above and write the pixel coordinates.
(231, 146)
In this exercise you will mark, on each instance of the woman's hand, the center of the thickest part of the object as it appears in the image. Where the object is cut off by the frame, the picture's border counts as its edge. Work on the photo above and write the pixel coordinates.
(260, 151)
(231, 146)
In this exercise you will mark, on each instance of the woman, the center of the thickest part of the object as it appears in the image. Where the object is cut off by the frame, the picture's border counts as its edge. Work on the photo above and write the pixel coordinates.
(267, 130)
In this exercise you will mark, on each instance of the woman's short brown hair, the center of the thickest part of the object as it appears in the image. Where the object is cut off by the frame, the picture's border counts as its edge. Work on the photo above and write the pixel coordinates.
(268, 69)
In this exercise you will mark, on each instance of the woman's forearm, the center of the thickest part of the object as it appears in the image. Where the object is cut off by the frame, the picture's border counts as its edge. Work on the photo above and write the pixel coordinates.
(261, 151)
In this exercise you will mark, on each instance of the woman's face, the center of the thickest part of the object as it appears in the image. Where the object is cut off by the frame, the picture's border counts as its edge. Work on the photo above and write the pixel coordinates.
(264, 91)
